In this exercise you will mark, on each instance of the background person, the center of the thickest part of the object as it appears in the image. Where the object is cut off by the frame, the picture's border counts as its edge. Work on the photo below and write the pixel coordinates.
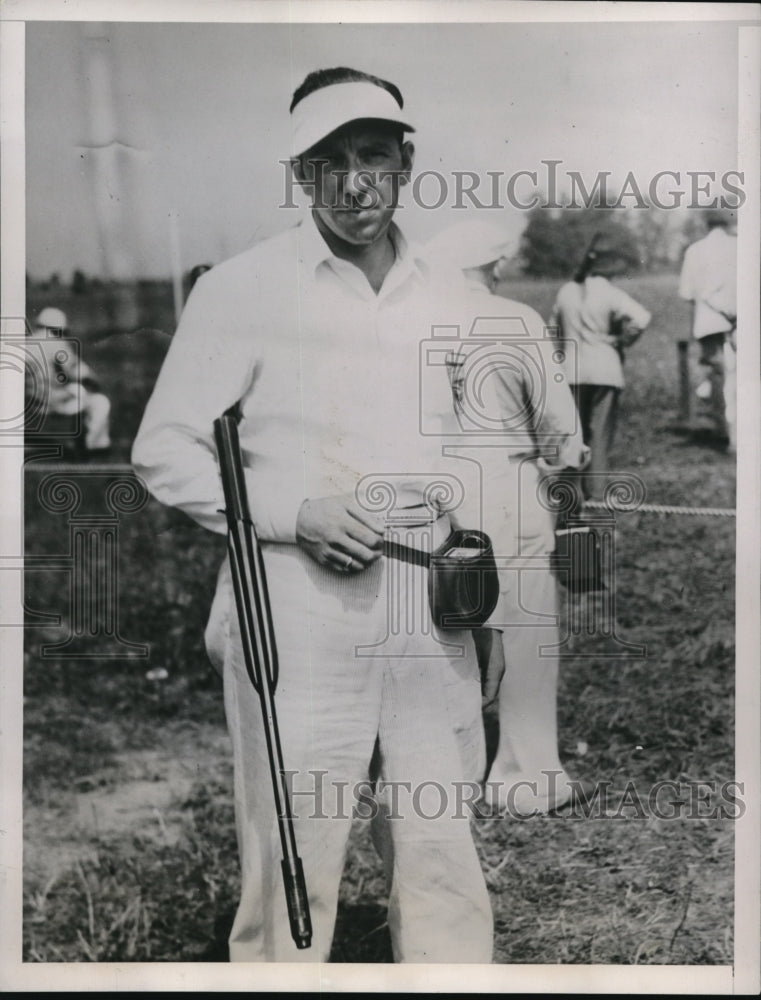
(602, 321)
(725, 302)
(316, 334)
(72, 388)
(195, 273)
(541, 431)
(709, 281)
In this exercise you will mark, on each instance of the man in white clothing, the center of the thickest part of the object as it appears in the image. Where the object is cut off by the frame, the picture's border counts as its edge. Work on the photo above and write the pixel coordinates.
(534, 427)
(325, 366)
(601, 321)
(709, 278)
(71, 388)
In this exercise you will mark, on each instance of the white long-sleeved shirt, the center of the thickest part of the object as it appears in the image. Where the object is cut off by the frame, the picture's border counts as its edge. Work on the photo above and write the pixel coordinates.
(329, 375)
(584, 312)
(709, 279)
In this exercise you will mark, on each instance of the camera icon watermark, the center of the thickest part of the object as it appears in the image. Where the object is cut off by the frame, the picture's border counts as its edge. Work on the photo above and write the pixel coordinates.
(50, 363)
(500, 376)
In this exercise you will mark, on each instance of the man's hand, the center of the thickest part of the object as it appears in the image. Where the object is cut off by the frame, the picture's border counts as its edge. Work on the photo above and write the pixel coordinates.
(573, 455)
(491, 662)
(337, 532)
(578, 457)
(629, 335)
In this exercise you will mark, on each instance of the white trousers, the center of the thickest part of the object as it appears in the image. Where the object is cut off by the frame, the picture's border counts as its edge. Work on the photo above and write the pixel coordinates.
(527, 766)
(357, 664)
(730, 391)
(96, 410)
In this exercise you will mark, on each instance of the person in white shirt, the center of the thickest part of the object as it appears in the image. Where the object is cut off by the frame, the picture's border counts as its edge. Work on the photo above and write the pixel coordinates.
(602, 321)
(70, 386)
(535, 429)
(317, 333)
(709, 281)
(724, 301)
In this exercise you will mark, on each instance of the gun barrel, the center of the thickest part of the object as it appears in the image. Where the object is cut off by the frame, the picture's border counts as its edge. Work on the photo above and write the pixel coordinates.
(260, 656)
(231, 467)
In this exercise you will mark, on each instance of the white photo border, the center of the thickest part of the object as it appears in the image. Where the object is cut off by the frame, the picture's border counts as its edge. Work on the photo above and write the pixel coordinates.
(743, 977)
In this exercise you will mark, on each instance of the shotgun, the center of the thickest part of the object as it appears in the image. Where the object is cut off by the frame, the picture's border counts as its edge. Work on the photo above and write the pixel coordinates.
(260, 654)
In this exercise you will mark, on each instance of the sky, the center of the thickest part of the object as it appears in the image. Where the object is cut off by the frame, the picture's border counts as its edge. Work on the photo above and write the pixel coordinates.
(158, 145)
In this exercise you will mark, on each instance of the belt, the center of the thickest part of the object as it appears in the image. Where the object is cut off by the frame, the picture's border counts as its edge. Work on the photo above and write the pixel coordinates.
(395, 550)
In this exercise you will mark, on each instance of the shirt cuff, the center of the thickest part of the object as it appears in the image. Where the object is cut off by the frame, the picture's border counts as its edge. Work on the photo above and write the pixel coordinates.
(274, 512)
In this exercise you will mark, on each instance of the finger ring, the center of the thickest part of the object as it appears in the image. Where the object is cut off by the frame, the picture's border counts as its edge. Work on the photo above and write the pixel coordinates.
(349, 562)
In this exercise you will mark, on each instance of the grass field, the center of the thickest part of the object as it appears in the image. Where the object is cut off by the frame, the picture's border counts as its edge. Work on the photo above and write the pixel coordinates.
(130, 850)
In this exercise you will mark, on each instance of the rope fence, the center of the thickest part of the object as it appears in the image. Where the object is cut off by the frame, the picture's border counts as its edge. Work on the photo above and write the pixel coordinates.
(643, 508)
(661, 508)
(100, 468)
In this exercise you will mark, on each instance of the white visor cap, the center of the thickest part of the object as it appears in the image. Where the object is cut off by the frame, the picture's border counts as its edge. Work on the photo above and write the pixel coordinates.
(470, 244)
(52, 318)
(323, 111)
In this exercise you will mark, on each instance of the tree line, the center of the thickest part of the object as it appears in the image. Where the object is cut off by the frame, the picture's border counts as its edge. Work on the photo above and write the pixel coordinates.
(553, 242)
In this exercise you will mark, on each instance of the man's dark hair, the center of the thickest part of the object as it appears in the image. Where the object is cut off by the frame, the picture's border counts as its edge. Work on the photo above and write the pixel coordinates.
(341, 74)
(719, 217)
(605, 254)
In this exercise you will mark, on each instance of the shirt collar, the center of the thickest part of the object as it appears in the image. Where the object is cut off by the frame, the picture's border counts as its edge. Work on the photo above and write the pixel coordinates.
(314, 251)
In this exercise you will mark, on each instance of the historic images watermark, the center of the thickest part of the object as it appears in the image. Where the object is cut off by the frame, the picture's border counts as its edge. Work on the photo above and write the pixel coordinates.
(314, 798)
(549, 186)
(92, 500)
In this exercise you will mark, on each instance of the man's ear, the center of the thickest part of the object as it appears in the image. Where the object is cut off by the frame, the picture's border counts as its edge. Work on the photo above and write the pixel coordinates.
(297, 168)
(408, 158)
